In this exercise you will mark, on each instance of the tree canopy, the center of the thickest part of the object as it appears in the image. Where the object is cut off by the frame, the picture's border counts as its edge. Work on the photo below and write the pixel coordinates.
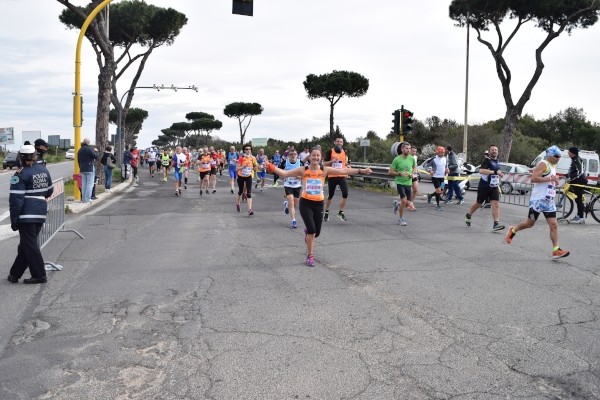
(133, 24)
(243, 111)
(333, 86)
(552, 16)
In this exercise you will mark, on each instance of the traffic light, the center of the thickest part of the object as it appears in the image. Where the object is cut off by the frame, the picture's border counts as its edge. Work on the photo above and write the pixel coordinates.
(243, 7)
(407, 121)
(396, 121)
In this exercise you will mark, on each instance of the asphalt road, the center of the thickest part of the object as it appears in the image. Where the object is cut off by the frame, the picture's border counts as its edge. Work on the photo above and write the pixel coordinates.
(184, 298)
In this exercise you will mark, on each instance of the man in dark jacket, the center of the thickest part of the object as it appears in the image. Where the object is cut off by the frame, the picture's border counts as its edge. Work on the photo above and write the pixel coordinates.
(453, 174)
(41, 148)
(576, 177)
(86, 156)
(29, 189)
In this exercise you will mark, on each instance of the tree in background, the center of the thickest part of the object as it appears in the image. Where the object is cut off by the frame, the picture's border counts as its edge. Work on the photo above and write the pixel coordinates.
(203, 122)
(134, 119)
(552, 16)
(133, 24)
(241, 111)
(333, 87)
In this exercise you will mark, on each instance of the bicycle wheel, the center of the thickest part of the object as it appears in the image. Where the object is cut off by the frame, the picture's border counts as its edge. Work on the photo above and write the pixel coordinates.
(595, 208)
(564, 206)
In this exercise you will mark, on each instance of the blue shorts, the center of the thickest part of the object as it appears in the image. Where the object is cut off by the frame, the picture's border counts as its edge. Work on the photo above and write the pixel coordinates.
(261, 174)
(232, 171)
(178, 174)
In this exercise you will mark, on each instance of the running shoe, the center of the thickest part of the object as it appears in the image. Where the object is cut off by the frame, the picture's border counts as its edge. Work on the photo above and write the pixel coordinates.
(177, 193)
(285, 207)
(326, 216)
(256, 185)
(237, 207)
(429, 196)
(200, 192)
(214, 190)
(560, 253)
(461, 201)
(206, 191)
(448, 202)
(497, 227)
(396, 205)
(468, 219)
(310, 260)
(509, 235)
(438, 208)
(231, 191)
(275, 184)
(401, 222)
(260, 190)
(294, 224)
(250, 212)
(411, 206)
(577, 220)
(341, 216)
(185, 186)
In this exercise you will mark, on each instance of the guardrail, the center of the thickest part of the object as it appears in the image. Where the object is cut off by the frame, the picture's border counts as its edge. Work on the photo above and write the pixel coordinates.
(55, 220)
(518, 195)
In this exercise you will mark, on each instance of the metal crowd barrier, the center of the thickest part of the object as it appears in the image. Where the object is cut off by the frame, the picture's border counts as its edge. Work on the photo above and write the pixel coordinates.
(519, 195)
(55, 220)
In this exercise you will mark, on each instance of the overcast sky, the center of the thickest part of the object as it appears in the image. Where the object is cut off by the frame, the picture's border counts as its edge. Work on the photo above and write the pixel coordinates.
(410, 51)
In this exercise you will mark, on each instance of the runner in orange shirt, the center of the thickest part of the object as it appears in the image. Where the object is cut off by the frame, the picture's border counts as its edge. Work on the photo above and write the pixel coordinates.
(312, 199)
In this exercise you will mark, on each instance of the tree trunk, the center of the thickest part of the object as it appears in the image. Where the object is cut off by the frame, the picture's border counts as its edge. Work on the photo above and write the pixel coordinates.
(331, 131)
(508, 133)
(102, 111)
(242, 133)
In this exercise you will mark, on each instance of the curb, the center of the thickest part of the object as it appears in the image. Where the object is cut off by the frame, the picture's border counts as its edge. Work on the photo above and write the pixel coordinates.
(77, 206)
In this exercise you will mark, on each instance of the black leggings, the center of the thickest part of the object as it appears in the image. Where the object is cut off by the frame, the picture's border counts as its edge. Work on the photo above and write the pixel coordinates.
(337, 181)
(312, 215)
(248, 182)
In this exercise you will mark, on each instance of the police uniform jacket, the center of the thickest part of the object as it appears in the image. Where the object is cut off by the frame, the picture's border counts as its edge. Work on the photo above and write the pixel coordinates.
(29, 189)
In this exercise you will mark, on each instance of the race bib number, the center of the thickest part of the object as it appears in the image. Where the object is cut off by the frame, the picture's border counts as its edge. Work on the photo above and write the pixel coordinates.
(246, 171)
(292, 181)
(314, 186)
(550, 191)
(337, 164)
(205, 166)
(494, 180)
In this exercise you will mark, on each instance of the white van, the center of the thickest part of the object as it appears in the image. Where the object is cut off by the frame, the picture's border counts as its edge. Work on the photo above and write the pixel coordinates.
(590, 163)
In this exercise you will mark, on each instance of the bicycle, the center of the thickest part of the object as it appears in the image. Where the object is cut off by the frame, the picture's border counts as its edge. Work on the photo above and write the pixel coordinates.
(565, 200)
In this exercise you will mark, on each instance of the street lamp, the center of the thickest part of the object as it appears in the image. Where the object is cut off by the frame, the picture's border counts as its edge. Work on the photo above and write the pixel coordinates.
(120, 113)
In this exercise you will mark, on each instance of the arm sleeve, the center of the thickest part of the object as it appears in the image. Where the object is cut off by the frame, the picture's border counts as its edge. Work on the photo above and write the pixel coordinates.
(16, 200)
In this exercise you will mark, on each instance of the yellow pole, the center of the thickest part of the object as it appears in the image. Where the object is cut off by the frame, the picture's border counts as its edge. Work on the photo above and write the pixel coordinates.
(77, 95)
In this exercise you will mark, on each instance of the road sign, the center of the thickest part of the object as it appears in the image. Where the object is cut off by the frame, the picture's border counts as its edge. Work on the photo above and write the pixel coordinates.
(365, 142)
(259, 142)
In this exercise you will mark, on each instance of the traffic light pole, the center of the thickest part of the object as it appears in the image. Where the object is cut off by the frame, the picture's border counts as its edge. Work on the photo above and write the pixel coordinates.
(402, 123)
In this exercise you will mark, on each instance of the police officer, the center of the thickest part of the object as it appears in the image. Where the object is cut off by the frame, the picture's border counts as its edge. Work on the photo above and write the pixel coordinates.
(29, 188)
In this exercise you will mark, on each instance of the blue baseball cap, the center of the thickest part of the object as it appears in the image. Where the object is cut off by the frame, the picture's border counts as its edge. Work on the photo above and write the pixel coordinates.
(553, 151)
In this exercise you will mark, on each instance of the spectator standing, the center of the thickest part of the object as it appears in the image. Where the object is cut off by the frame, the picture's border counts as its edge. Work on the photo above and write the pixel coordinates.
(108, 167)
(30, 188)
(41, 148)
(576, 177)
(86, 156)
